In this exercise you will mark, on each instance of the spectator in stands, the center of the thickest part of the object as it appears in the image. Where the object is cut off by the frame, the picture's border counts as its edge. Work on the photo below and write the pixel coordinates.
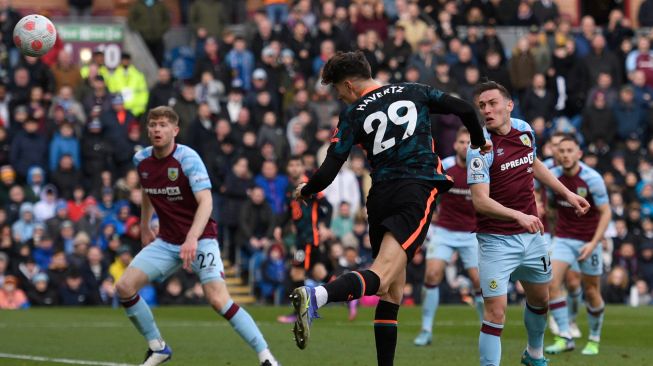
(539, 101)
(74, 292)
(207, 18)
(4, 262)
(602, 60)
(615, 290)
(643, 92)
(163, 92)
(645, 14)
(150, 18)
(642, 59)
(11, 295)
(416, 28)
(76, 205)
(186, 108)
(97, 97)
(606, 86)
(599, 124)
(41, 293)
(15, 200)
(240, 62)
(90, 222)
(524, 16)
(617, 29)
(545, 10)
(522, 67)
(35, 182)
(273, 184)
(96, 152)
(115, 124)
(631, 116)
(66, 72)
(72, 109)
(211, 59)
(23, 229)
(28, 148)
(53, 223)
(64, 143)
(273, 275)
(237, 182)
(40, 74)
(46, 206)
(94, 271)
(493, 69)
(66, 176)
(343, 222)
(210, 91)
(81, 242)
(257, 223)
(128, 81)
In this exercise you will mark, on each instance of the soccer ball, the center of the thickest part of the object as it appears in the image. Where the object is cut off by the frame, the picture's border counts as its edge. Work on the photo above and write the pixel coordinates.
(34, 35)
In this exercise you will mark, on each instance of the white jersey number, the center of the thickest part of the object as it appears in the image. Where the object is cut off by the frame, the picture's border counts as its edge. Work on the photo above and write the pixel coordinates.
(410, 117)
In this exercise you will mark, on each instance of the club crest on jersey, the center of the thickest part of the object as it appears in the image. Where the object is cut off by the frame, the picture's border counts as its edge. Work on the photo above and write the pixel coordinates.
(493, 285)
(525, 140)
(173, 174)
(582, 191)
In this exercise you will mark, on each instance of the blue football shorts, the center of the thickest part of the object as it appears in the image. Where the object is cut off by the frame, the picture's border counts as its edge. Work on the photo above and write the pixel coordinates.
(160, 259)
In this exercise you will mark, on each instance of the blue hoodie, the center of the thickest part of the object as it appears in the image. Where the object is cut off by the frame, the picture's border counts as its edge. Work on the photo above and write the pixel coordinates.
(60, 146)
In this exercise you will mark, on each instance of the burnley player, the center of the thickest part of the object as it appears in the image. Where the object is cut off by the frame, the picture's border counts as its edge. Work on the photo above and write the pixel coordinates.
(577, 240)
(176, 185)
(453, 233)
(572, 278)
(392, 124)
(508, 228)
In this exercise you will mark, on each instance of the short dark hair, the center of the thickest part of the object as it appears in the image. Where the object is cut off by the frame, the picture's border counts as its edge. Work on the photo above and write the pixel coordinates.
(346, 64)
(491, 85)
(163, 111)
(296, 158)
(570, 137)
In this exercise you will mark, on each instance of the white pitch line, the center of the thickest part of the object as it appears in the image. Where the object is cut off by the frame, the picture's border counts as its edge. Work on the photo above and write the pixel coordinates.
(60, 360)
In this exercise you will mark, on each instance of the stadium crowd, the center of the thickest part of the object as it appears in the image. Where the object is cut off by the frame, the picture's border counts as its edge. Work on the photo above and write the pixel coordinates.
(249, 103)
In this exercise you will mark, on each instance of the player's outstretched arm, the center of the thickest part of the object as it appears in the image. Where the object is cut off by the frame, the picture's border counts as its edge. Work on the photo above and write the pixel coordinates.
(147, 210)
(487, 206)
(545, 176)
(322, 178)
(448, 104)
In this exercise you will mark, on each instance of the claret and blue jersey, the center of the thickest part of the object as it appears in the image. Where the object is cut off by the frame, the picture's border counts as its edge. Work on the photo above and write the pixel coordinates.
(508, 169)
(588, 184)
(170, 184)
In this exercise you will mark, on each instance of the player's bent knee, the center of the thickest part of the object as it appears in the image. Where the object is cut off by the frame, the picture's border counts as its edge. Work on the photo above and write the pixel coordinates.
(125, 288)
(495, 314)
(433, 277)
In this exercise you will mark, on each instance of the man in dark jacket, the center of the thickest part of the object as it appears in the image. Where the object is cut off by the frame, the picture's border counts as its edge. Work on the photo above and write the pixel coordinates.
(42, 294)
(28, 148)
(150, 18)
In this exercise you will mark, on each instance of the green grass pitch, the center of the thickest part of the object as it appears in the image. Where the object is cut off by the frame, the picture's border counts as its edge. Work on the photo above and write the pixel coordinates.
(200, 337)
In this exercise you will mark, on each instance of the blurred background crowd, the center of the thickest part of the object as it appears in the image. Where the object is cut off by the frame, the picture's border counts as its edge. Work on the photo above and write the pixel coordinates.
(251, 104)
